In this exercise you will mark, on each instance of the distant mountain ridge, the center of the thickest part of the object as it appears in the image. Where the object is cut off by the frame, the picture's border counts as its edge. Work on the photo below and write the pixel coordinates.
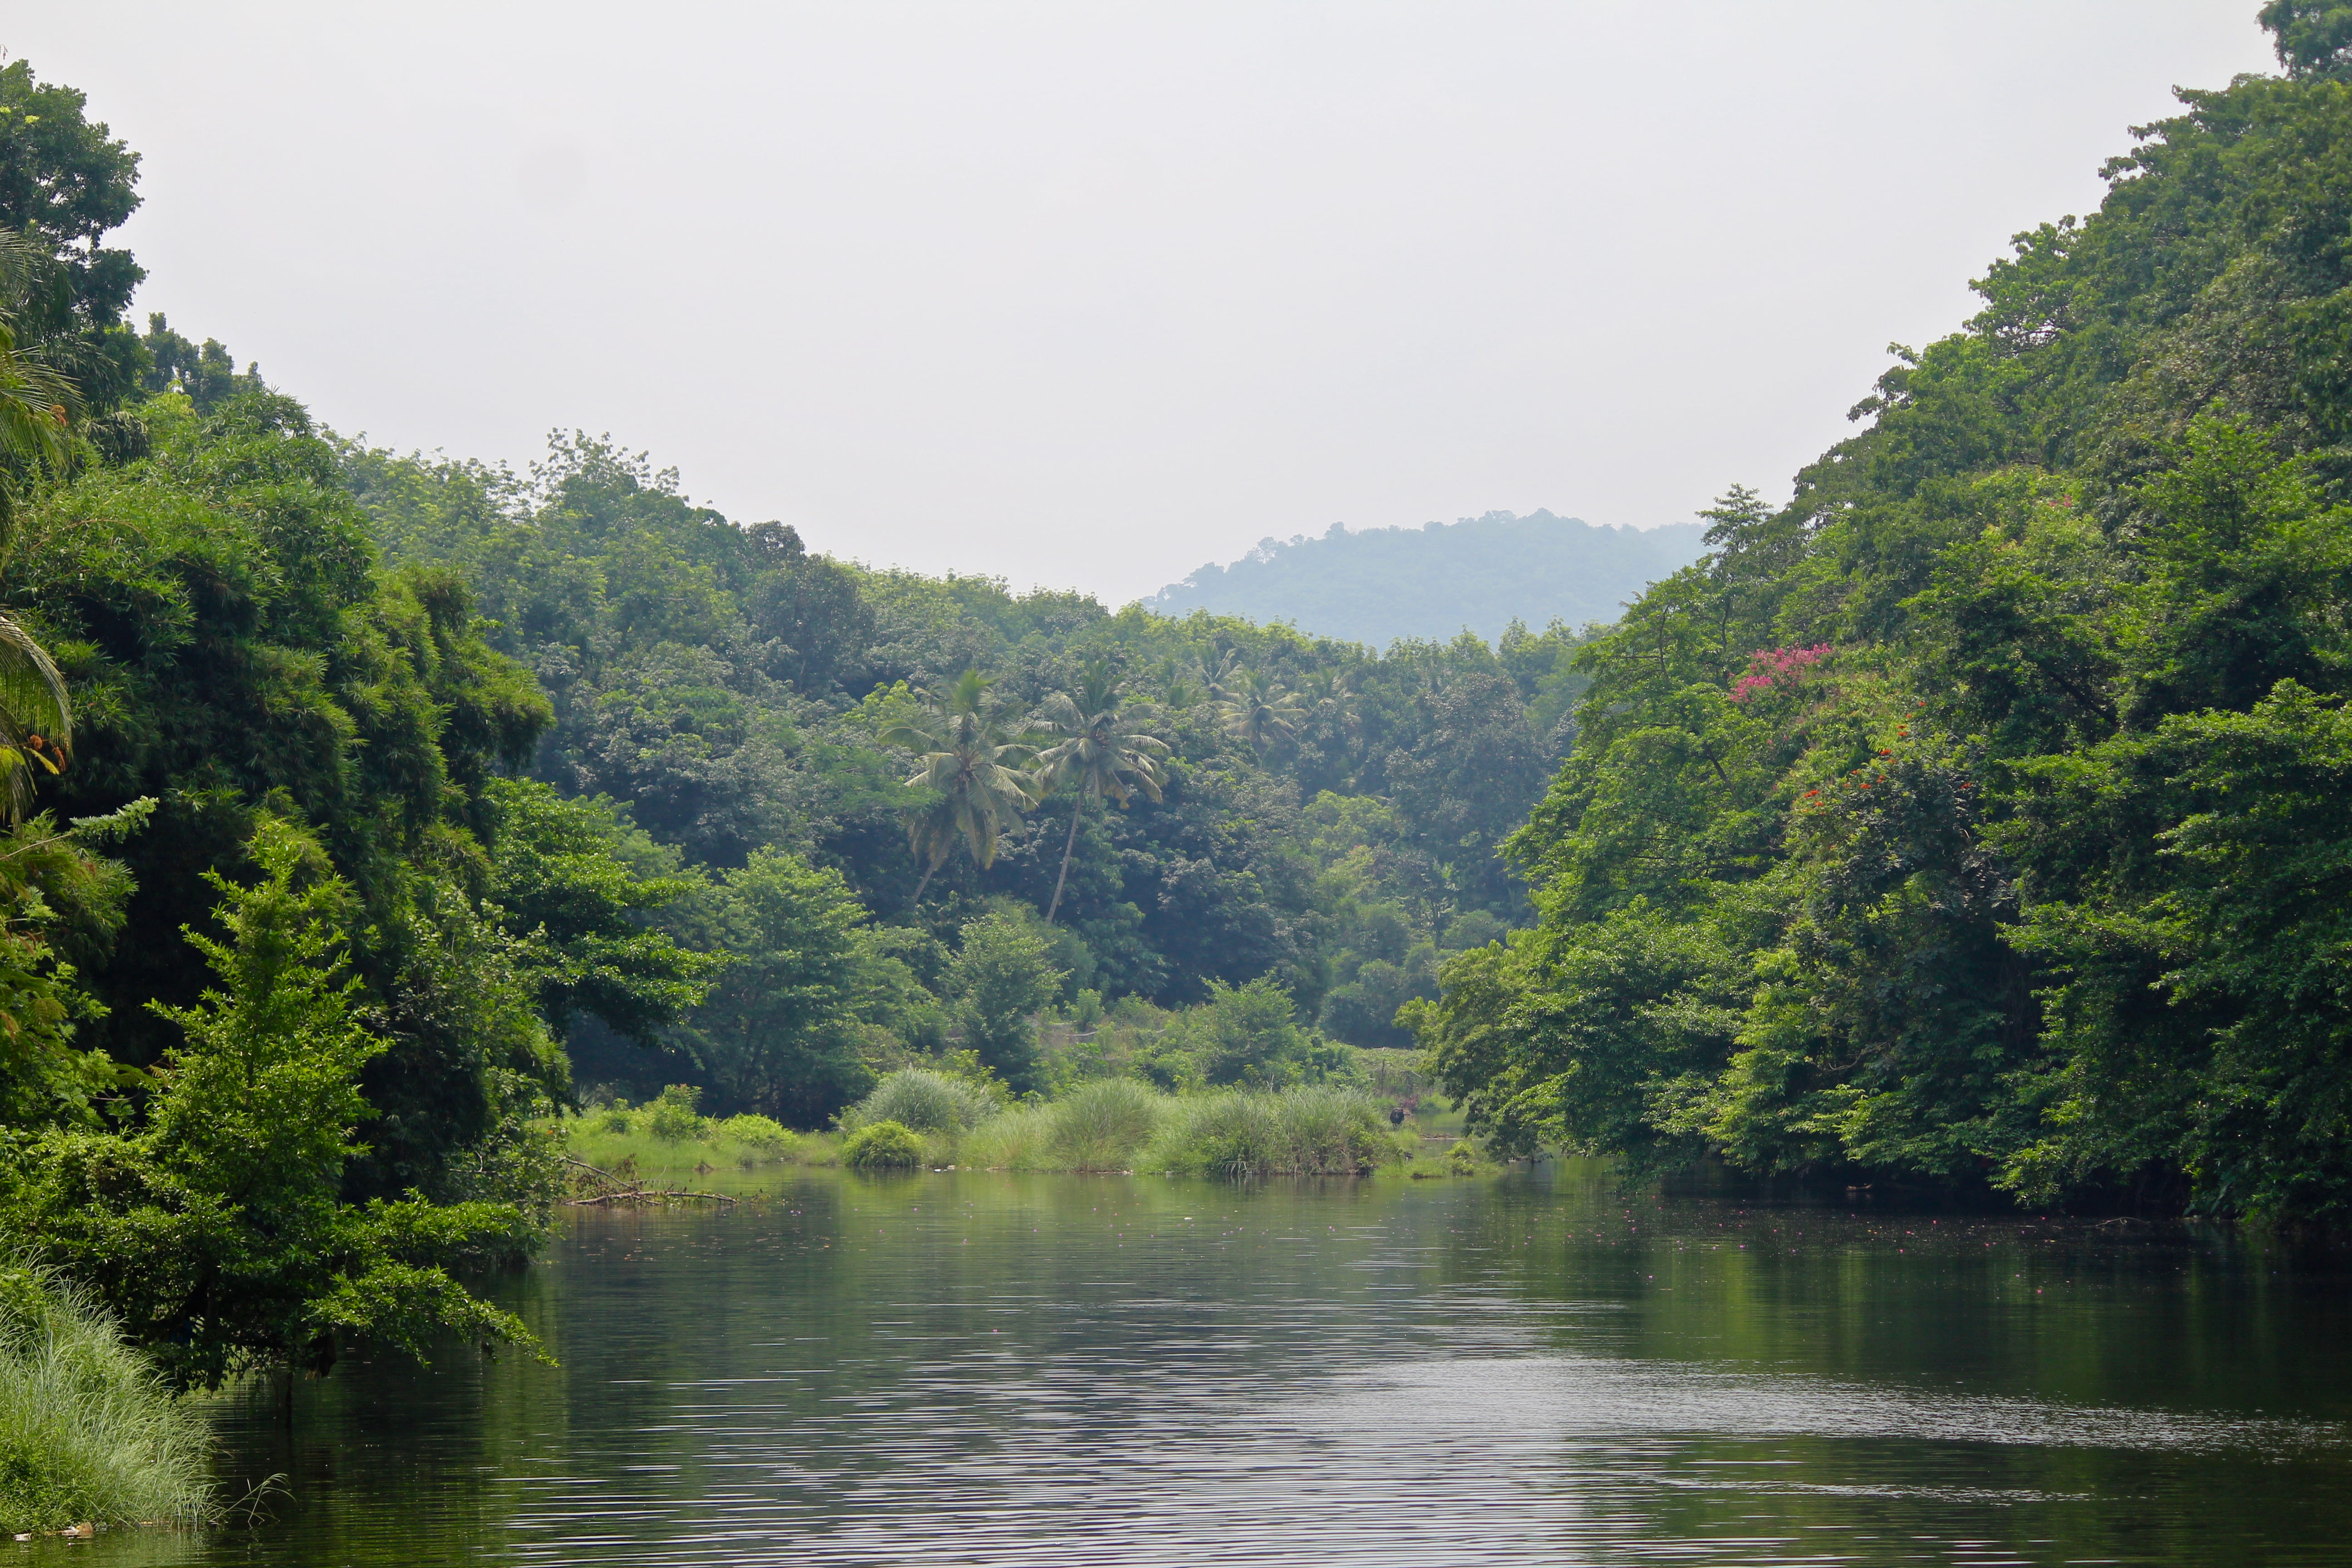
(1379, 585)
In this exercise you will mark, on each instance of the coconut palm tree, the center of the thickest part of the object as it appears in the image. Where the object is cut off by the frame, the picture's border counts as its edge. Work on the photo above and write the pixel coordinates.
(37, 407)
(971, 758)
(1173, 685)
(39, 403)
(1258, 709)
(1218, 669)
(1100, 752)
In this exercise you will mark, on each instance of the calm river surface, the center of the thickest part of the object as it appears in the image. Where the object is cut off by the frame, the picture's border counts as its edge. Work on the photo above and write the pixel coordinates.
(974, 1369)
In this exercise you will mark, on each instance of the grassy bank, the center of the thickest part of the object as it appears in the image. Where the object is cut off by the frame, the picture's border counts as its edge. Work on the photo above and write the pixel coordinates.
(1124, 1124)
(666, 1142)
(1101, 1124)
(88, 1435)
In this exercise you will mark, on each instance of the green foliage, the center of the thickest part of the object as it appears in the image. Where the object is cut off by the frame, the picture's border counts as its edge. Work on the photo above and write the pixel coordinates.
(561, 876)
(1975, 818)
(926, 1102)
(883, 1145)
(1317, 1129)
(804, 988)
(220, 1231)
(65, 181)
(1000, 978)
(1102, 1125)
(88, 1433)
(672, 1116)
(1246, 1034)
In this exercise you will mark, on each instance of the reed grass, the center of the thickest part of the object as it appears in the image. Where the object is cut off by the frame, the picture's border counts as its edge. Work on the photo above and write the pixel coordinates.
(925, 1100)
(1121, 1124)
(1020, 1139)
(738, 1143)
(1315, 1130)
(1103, 1125)
(89, 1434)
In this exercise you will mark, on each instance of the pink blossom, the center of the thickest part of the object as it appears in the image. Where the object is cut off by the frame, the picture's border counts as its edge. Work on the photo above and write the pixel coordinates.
(1771, 666)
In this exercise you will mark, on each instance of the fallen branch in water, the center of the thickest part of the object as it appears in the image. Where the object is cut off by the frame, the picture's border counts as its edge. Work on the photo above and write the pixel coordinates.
(605, 1189)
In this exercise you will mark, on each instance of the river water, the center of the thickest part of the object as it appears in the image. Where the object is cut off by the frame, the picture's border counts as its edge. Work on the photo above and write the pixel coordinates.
(961, 1368)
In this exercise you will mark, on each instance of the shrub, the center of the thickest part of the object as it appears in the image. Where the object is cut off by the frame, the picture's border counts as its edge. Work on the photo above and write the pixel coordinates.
(671, 1117)
(883, 1145)
(1251, 1033)
(88, 1433)
(926, 1102)
(1100, 1126)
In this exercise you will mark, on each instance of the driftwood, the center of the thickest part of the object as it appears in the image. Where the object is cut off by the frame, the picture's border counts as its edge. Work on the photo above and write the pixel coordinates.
(595, 1188)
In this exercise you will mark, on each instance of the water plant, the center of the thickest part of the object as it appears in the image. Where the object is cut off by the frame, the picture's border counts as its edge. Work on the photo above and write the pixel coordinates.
(88, 1433)
(883, 1145)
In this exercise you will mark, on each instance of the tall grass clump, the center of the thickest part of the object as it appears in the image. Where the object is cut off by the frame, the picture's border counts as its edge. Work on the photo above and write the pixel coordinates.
(1315, 1130)
(1020, 1139)
(1103, 1125)
(89, 1434)
(925, 1100)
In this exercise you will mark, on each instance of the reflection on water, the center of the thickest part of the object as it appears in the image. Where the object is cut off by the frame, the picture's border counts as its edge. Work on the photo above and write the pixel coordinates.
(957, 1369)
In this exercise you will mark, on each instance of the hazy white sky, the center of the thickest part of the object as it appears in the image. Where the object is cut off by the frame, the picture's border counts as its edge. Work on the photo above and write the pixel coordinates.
(1088, 294)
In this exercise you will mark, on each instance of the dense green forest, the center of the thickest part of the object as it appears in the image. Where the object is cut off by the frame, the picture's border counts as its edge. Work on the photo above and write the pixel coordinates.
(1380, 585)
(365, 811)
(1976, 821)
(1980, 818)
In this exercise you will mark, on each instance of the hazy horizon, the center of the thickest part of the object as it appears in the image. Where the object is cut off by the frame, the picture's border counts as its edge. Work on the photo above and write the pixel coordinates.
(1090, 296)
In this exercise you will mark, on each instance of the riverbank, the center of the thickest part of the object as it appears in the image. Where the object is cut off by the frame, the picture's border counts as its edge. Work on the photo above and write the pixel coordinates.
(1103, 1125)
(89, 1436)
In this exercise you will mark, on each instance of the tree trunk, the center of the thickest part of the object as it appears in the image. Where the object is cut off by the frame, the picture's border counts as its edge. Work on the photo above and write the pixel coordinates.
(1077, 809)
(925, 882)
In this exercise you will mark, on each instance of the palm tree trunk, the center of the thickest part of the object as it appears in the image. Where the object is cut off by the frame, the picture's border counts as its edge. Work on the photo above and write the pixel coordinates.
(1077, 809)
(925, 882)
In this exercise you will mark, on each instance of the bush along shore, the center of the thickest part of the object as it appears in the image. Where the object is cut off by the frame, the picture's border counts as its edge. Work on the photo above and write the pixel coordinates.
(921, 1117)
(89, 1438)
(1125, 1124)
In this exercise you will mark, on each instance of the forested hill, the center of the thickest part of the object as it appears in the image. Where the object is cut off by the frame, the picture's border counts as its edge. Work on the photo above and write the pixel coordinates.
(1984, 817)
(1482, 573)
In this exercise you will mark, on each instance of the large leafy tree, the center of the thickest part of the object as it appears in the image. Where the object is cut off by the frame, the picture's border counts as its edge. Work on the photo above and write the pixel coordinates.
(66, 180)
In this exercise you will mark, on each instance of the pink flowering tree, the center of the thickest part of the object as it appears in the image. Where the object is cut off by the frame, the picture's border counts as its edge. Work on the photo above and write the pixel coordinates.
(1771, 667)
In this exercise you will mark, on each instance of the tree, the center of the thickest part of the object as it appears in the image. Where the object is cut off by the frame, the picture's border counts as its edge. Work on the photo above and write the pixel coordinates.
(64, 181)
(559, 881)
(2312, 37)
(219, 1232)
(806, 983)
(1260, 710)
(1101, 753)
(998, 979)
(971, 760)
